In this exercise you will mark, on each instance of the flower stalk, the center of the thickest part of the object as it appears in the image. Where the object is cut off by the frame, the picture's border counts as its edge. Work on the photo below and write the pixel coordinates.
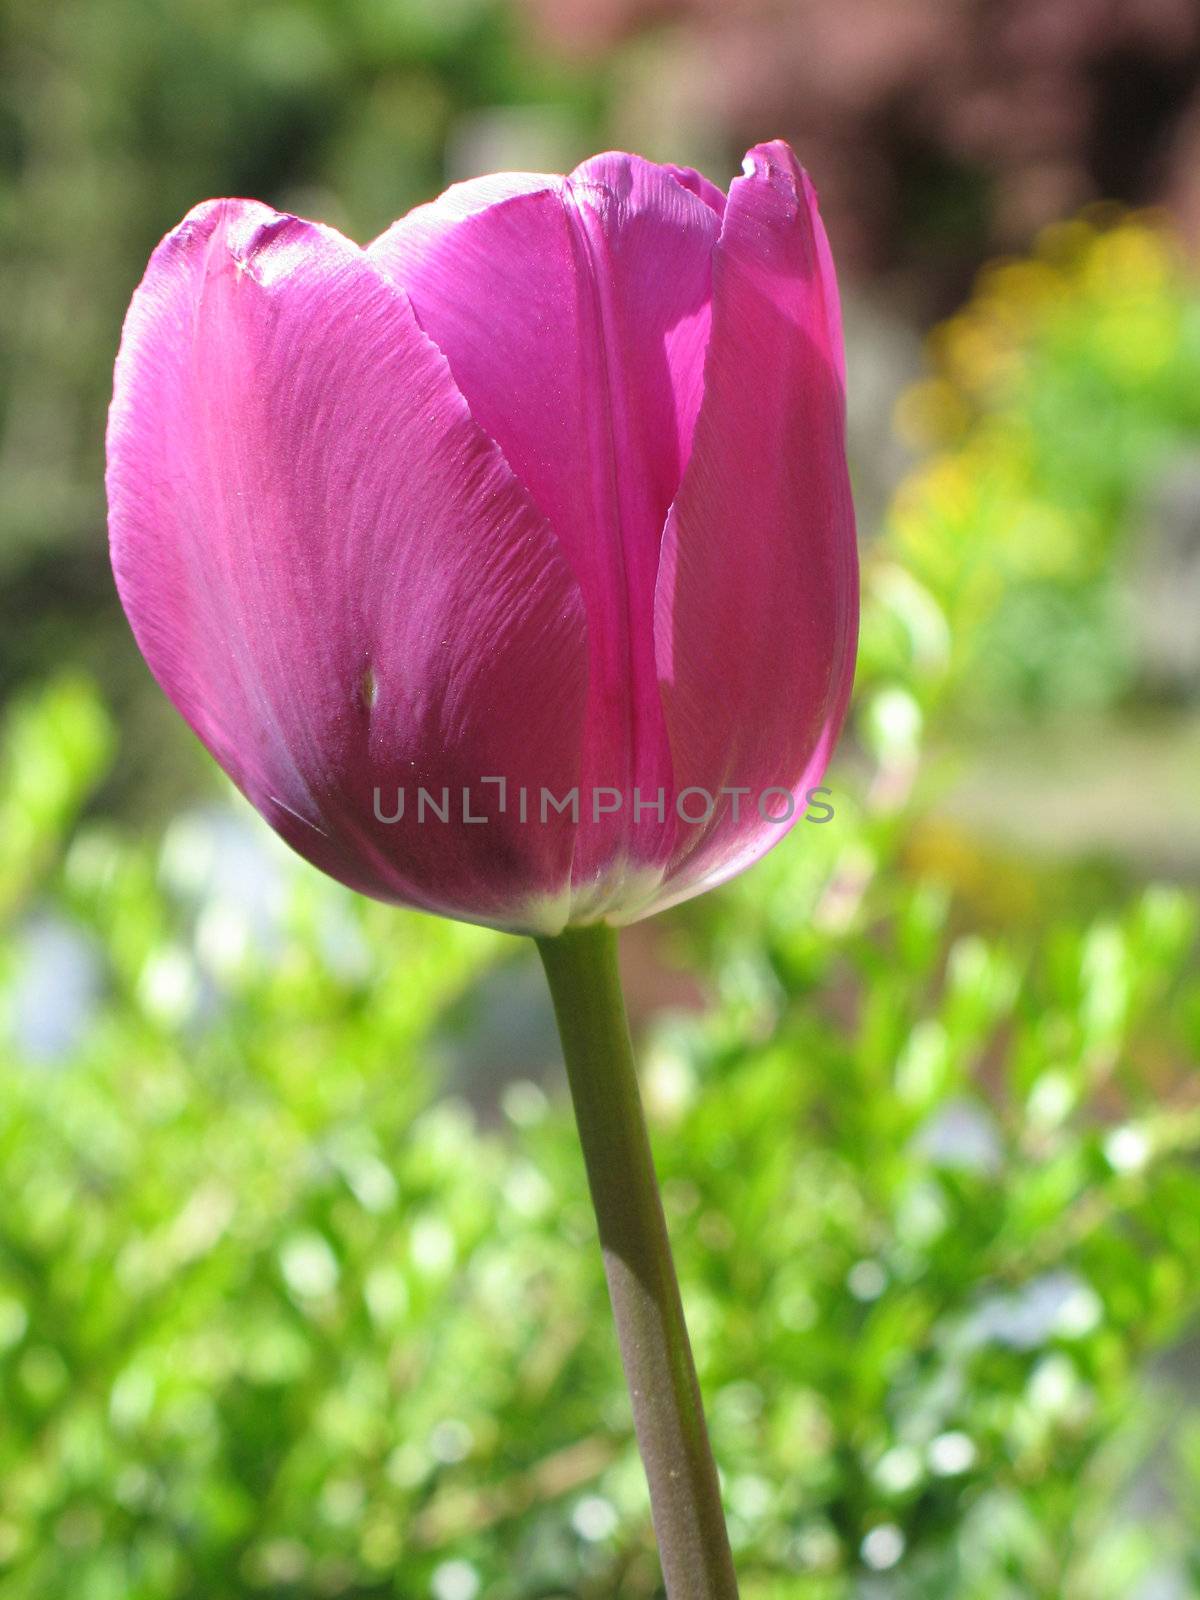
(581, 967)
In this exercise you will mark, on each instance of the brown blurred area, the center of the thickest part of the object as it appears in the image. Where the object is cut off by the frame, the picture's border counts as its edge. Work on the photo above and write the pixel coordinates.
(938, 131)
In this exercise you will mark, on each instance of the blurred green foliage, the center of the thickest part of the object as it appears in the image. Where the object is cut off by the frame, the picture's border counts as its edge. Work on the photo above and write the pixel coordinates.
(278, 1320)
(1057, 397)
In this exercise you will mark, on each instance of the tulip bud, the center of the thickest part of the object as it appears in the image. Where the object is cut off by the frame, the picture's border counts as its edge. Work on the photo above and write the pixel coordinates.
(507, 565)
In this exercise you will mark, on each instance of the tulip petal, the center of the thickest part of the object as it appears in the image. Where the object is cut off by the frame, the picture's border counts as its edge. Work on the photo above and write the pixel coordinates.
(574, 314)
(701, 186)
(756, 609)
(333, 573)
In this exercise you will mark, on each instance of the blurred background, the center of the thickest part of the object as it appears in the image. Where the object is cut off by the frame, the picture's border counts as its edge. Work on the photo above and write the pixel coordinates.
(299, 1290)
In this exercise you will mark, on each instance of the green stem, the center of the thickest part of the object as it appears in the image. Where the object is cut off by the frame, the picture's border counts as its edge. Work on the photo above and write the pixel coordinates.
(685, 1501)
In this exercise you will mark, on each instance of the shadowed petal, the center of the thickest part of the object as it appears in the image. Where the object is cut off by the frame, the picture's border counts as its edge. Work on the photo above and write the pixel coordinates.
(756, 609)
(574, 315)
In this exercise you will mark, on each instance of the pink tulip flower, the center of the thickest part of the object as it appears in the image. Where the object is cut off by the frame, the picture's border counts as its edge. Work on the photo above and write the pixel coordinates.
(544, 492)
